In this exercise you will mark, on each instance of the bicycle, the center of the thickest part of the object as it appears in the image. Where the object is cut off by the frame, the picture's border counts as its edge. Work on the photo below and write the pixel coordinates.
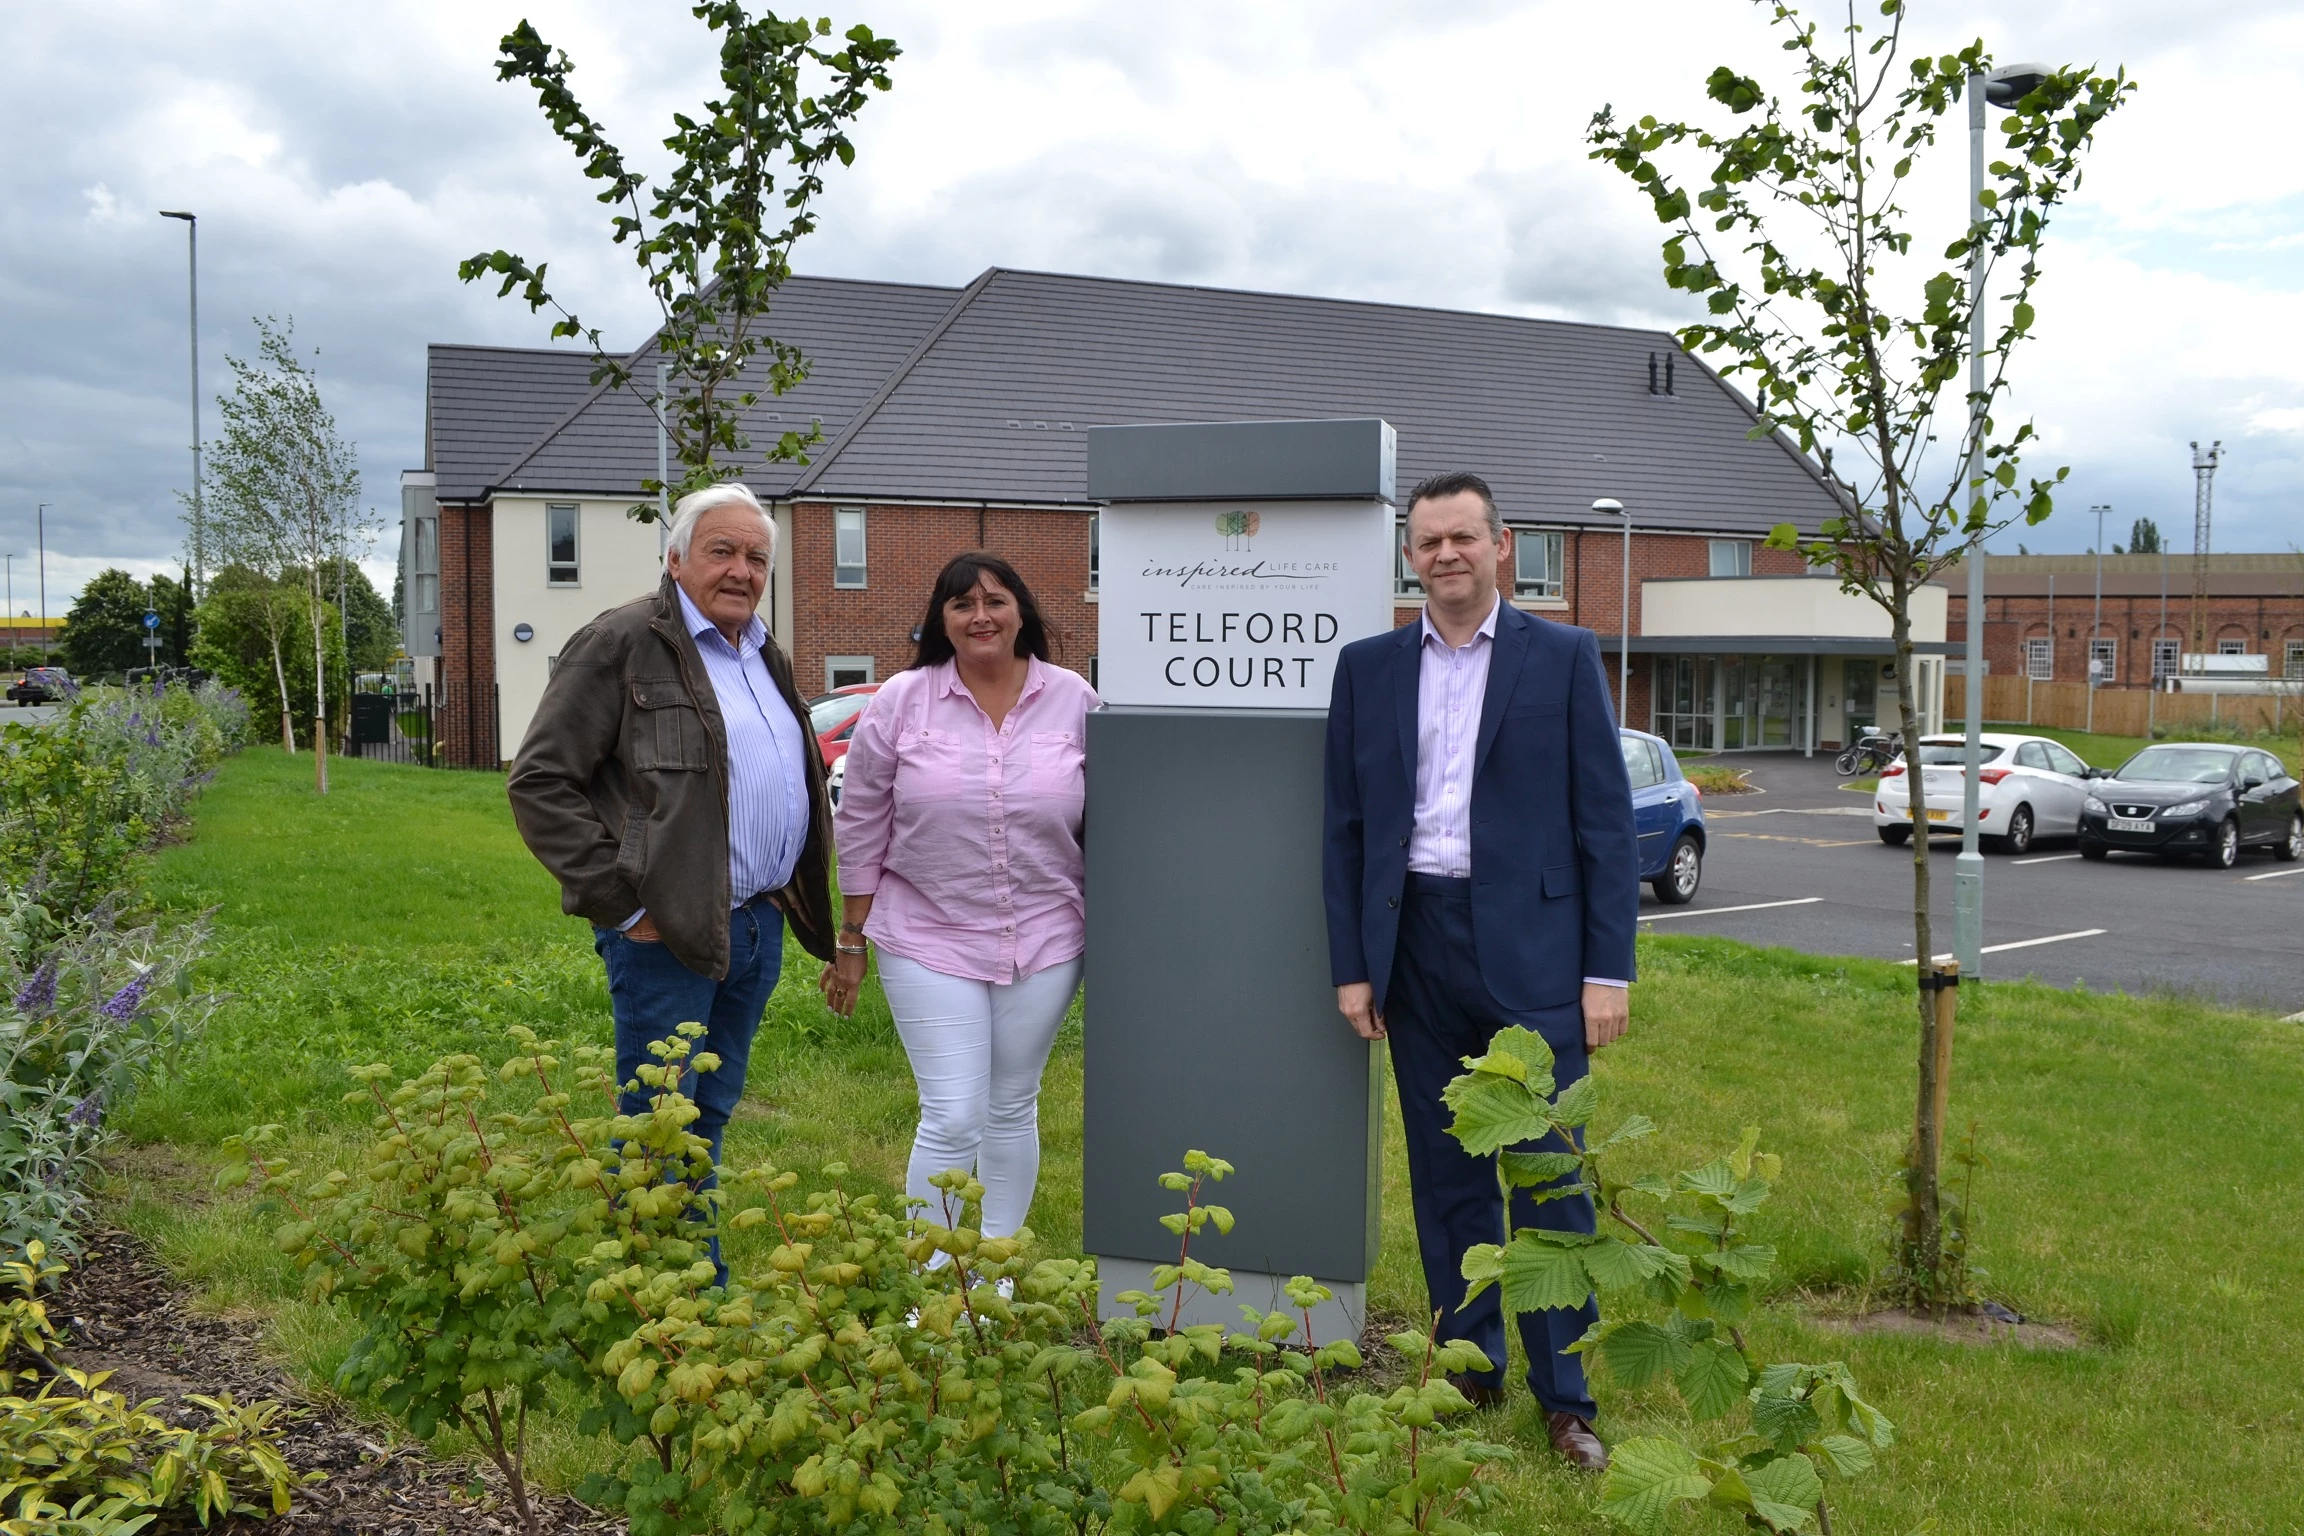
(1870, 752)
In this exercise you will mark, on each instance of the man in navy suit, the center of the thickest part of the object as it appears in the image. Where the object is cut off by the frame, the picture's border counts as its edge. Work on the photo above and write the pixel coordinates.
(1480, 870)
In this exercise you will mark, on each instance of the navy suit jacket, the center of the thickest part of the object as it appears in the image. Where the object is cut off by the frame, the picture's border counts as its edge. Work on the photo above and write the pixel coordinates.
(1555, 859)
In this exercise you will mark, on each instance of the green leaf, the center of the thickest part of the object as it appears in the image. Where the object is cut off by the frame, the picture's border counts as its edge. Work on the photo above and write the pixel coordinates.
(1540, 1274)
(1784, 1420)
(1784, 1492)
(1528, 1048)
(1528, 1170)
(1713, 1380)
(1483, 1267)
(1633, 1128)
(1639, 1352)
(1494, 1112)
(1578, 1102)
(1645, 1479)
(1715, 1178)
(1746, 1261)
(1616, 1265)
(1844, 1454)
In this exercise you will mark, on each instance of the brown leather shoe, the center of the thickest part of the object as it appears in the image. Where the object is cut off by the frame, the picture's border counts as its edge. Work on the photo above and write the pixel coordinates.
(1479, 1394)
(1572, 1437)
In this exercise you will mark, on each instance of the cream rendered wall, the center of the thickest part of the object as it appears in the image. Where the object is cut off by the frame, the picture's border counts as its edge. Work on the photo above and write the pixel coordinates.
(617, 561)
(1778, 605)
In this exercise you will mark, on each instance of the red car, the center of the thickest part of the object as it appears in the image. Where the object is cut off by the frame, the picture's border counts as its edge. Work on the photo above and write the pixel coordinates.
(833, 716)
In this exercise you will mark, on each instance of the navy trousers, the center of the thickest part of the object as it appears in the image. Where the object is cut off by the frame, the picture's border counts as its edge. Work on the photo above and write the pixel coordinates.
(653, 994)
(1440, 1011)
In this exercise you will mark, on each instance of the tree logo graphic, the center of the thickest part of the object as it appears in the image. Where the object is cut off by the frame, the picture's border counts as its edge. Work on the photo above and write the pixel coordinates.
(1239, 529)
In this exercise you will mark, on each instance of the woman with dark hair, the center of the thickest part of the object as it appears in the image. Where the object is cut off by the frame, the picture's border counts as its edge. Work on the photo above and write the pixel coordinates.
(960, 857)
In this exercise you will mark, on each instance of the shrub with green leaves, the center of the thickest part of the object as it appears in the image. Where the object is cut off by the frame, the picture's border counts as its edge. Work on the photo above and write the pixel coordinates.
(75, 1457)
(879, 1369)
(1681, 1278)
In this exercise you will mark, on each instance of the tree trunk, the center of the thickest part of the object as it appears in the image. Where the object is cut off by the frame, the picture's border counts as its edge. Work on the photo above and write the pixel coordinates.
(280, 677)
(319, 690)
(1923, 1219)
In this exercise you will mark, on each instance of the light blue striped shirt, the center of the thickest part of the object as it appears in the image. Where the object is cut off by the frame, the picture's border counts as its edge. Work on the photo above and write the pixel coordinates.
(767, 771)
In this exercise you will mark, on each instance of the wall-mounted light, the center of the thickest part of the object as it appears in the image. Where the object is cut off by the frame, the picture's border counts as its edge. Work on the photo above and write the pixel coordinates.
(523, 633)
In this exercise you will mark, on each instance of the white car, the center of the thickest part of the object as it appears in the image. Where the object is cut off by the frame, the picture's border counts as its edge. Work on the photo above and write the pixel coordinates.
(2029, 787)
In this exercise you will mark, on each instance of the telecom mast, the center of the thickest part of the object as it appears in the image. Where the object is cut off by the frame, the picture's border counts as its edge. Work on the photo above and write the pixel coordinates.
(2203, 482)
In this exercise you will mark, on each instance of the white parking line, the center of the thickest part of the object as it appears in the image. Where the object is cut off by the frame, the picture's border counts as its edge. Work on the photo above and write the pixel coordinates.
(1994, 949)
(2048, 858)
(2275, 874)
(1798, 901)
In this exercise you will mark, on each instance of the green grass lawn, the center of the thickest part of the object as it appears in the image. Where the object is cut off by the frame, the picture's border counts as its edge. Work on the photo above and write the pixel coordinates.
(2146, 1184)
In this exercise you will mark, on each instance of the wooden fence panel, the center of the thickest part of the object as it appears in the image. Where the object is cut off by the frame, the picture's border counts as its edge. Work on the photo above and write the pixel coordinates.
(2129, 711)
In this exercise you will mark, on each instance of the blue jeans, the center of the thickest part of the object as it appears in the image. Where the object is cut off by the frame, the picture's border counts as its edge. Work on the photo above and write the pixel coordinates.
(1439, 1012)
(653, 994)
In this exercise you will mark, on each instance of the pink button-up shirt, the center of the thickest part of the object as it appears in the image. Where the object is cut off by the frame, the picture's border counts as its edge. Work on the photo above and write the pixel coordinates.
(967, 835)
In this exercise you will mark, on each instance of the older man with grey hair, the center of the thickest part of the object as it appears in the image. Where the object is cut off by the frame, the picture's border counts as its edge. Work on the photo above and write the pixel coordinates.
(670, 784)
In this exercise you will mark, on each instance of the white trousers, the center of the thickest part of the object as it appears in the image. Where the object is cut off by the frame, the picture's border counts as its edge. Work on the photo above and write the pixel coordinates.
(977, 1050)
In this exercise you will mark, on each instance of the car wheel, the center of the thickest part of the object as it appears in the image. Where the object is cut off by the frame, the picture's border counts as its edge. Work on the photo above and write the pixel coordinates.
(1682, 874)
(1895, 837)
(2224, 852)
(2095, 851)
(2291, 848)
(2019, 837)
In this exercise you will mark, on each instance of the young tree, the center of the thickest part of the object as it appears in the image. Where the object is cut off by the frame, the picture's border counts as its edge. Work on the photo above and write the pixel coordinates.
(283, 500)
(715, 238)
(371, 632)
(2144, 537)
(1791, 226)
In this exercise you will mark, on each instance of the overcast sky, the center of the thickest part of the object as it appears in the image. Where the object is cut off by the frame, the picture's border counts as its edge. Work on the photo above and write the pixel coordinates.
(342, 158)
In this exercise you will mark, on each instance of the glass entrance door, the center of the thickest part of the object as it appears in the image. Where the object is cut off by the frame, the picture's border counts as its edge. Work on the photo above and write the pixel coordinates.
(1681, 701)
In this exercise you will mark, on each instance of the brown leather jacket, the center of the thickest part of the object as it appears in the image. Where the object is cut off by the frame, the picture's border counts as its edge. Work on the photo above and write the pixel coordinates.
(621, 787)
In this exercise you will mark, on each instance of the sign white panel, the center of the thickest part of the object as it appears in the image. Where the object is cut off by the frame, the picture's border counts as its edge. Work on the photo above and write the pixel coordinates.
(1237, 605)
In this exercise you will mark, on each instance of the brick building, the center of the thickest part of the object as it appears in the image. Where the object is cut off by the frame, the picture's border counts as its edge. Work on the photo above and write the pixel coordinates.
(2042, 618)
(952, 419)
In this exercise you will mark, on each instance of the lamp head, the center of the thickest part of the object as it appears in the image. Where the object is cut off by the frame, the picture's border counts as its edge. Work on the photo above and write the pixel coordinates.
(170, 213)
(2011, 83)
(1607, 504)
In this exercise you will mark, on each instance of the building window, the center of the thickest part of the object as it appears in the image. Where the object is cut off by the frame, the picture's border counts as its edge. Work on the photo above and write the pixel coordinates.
(2292, 666)
(2167, 658)
(847, 671)
(426, 593)
(1404, 582)
(560, 564)
(1095, 552)
(2040, 658)
(1731, 557)
(1535, 563)
(2103, 660)
(848, 549)
(2231, 647)
(427, 545)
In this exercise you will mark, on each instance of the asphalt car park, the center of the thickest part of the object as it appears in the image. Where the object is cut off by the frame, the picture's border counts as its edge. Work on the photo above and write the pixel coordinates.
(1799, 864)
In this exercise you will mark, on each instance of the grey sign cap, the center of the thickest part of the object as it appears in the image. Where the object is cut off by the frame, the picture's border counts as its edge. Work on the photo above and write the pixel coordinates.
(1243, 461)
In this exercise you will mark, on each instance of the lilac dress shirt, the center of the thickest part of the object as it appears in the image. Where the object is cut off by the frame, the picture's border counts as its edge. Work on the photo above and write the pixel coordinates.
(1451, 687)
(965, 834)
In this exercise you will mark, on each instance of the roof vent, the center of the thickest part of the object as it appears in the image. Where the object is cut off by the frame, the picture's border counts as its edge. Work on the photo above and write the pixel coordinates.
(1014, 423)
(1666, 385)
(1064, 426)
(1039, 426)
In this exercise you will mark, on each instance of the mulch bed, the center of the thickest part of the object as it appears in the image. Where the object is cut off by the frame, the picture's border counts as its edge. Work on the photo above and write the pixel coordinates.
(125, 1315)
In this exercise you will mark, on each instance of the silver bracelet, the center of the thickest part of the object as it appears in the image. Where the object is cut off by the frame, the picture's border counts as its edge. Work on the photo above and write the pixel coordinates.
(852, 949)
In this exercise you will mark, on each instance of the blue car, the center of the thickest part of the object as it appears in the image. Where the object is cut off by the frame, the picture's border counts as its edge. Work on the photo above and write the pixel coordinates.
(1668, 812)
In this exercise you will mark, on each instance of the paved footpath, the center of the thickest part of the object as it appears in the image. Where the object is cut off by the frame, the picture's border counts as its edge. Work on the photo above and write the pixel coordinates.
(1799, 865)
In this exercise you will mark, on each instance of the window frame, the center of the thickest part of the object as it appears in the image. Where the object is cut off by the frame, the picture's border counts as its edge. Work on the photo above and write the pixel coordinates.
(1555, 545)
(835, 665)
(2040, 658)
(2109, 649)
(1740, 551)
(1404, 582)
(2167, 657)
(2232, 647)
(1095, 553)
(851, 576)
(575, 566)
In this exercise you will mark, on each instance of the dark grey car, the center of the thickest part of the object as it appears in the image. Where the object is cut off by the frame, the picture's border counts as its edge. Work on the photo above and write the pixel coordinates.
(2203, 798)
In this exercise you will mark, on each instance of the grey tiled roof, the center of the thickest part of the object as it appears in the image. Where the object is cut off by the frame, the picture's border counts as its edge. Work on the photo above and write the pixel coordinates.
(854, 334)
(989, 394)
(488, 403)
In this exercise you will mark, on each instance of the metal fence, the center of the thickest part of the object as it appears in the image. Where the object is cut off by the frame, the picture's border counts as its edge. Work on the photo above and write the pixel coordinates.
(445, 728)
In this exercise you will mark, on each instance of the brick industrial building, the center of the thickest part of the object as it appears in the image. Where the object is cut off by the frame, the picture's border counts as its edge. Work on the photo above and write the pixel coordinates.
(953, 419)
(2043, 619)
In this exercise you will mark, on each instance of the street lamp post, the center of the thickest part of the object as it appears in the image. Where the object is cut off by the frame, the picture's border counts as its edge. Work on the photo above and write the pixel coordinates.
(45, 636)
(199, 522)
(10, 562)
(2096, 618)
(2003, 86)
(1623, 611)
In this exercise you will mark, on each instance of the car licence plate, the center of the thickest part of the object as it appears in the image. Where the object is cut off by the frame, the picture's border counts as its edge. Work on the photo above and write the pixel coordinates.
(1939, 815)
(2123, 824)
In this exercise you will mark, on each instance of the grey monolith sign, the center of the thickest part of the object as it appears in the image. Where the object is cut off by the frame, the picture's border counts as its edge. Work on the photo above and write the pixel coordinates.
(1237, 559)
